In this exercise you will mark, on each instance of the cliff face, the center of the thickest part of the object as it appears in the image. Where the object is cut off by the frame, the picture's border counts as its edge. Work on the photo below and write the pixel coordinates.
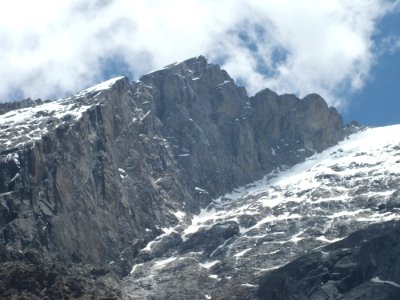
(92, 178)
(86, 188)
(222, 138)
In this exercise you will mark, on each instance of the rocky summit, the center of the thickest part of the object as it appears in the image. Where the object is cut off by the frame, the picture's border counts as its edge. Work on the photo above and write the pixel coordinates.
(181, 186)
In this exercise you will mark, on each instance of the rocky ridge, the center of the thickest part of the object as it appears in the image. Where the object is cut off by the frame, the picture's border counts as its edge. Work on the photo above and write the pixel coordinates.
(87, 182)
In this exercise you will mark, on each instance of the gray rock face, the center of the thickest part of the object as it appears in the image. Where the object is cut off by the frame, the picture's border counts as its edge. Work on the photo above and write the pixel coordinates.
(82, 190)
(222, 137)
(363, 266)
(91, 179)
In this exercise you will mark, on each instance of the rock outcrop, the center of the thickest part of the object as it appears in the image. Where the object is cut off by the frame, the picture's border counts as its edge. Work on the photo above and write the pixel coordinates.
(363, 266)
(91, 179)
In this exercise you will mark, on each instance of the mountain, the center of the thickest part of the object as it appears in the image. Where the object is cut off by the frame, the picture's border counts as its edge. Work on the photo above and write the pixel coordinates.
(181, 186)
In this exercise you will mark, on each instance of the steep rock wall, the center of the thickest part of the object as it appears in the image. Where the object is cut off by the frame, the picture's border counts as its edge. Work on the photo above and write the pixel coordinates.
(222, 138)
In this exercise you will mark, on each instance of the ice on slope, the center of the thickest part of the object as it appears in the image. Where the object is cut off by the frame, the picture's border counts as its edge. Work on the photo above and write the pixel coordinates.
(281, 217)
(323, 199)
(293, 211)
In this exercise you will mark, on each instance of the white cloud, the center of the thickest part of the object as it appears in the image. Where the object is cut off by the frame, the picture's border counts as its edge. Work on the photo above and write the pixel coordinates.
(52, 48)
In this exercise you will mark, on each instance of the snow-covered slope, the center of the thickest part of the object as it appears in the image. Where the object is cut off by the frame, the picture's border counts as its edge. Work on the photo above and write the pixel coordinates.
(264, 225)
(352, 181)
(25, 125)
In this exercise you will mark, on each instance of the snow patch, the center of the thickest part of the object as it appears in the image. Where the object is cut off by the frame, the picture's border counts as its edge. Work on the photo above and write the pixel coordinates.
(209, 264)
(29, 124)
(101, 86)
(135, 267)
(200, 190)
(225, 82)
(198, 222)
(242, 253)
(322, 238)
(180, 215)
(162, 263)
(377, 280)
(249, 285)
(167, 231)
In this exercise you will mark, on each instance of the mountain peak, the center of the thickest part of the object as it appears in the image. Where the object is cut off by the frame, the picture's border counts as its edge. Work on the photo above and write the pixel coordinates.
(105, 85)
(196, 68)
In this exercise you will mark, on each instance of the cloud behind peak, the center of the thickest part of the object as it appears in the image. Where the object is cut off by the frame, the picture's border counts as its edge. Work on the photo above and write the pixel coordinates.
(53, 48)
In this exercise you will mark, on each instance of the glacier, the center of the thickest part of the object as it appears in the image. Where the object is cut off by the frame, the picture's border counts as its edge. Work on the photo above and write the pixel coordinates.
(288, 213)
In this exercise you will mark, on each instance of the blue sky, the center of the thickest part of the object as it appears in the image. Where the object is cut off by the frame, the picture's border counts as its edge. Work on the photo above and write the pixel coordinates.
(347, 51)
(378, 103)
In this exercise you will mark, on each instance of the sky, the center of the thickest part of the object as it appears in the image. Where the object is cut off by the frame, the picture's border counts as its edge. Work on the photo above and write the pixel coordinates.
(346, 51)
